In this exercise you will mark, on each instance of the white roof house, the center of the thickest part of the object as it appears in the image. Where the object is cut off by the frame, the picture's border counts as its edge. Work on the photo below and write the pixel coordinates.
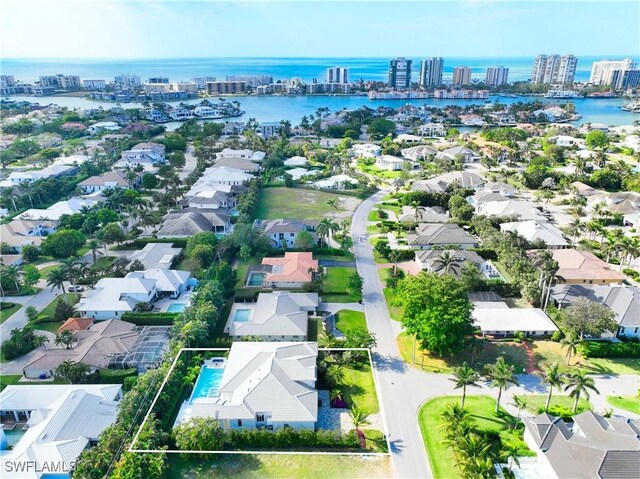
(467, 154)
(534, 231)
(336, 182)
(62, 420)
(524, 210)
(224, 175)
(296, 161)
(420, 152)
(277, 316)
(156, 255)
(112, 297)
(68, 207)
(506, 321)
(297, 173)
(390, 163)
(256, 156)
(168, 281)
(441, 183)
(264, 384)
(366, 150)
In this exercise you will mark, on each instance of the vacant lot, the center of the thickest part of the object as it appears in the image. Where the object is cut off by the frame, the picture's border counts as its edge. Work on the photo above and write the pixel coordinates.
(335, 286)
(303, 204)
(359, 388)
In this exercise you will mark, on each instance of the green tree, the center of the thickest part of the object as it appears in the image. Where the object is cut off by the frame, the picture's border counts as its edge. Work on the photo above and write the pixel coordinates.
(199, 434)
(464, 376)
(30, 253)
(552, 376)
(597, 139)
(448, 263)
(304, 240)
(31, 313)
(500, 375)
(588, 317)
(30, 275)
(56, 279)
(580, 384)
(571, 343)
(63, 243)
(149, 181)
(437, 311)
(65, 339)
(380, 128)
(72, 371)
(205, 238)
(355, 283)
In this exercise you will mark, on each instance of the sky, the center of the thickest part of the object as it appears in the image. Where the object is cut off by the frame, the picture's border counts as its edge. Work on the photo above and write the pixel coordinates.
(304, 28)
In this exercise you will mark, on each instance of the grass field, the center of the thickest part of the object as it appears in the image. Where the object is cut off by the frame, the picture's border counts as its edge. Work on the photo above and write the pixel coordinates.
(46, 315)
(266, 466)
(8, 312)
(612, 366)
(302, 204)
(335, 284)
(535, 401)
(628, 403)
(379, 172)
(359, 388)
(316, 332)
(13, 379)
(347, 321)
(44, 272)
(375, 440)
(429, 417)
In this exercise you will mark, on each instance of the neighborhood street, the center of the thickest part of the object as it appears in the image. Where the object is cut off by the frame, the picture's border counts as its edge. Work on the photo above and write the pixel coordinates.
(403, 389)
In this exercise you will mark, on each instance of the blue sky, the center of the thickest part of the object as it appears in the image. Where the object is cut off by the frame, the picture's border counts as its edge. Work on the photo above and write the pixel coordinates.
(177, 28)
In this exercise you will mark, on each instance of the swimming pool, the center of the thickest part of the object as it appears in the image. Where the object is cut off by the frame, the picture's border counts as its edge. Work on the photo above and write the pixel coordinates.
(14, 435)
(208, 382)
(176, 307)
(242, 315)
(255, 279)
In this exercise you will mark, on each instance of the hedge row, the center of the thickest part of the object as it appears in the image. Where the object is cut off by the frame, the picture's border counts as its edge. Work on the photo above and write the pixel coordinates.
(142, 242)
(6, 305)
(606, 349)
(150, 319)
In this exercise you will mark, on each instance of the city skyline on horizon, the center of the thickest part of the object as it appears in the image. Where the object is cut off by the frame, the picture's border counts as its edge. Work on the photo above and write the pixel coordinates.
(275, 29)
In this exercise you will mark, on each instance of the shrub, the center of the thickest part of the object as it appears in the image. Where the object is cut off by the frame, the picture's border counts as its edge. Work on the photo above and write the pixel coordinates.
(632, 273)
(150, 319)
(557, 336)
(382, 214)
(12, 350)
(116, 376)
(560, 411)
(606, 349)
(6, 305)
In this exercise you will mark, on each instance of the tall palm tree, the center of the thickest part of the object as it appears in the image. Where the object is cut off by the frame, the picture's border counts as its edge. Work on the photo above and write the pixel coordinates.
(552, 376)
(10, 273)
(39, 340)
(580, 384)
(520, 403)
(575, 228)
(629, 249)
(94, 246)
(325, 229)
(56, 279)
(394, 256)
(571, 343)
(500, 374)
(476, 345)
(448, 263)
(71, 268)
(464, 376)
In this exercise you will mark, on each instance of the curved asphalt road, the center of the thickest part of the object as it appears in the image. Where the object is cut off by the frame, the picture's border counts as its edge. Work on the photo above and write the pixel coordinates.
(394, 378)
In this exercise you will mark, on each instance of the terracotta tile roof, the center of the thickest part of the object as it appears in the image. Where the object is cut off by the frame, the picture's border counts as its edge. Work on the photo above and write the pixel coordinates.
(75, 324)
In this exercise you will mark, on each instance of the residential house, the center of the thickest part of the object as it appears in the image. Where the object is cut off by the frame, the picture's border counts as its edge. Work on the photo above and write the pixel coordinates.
(75, 324)
(224, 175)
(269, 129)
(623, 300)
(366, 150)
(283, 232)
(442, 183)
(407, 138)
(583, 267)
(55, 170)
(148, 155)
(298, 173)
(294, 270)
(277, 316)
(268, 385)
(208, 199)
(68, 207)
(569, 141)
(156, 255)
(523, 210)
(420, 152)
(423, 214)
(534, 232)
(103, 126)
(432, 130)
(493, 320)
(190, 221)
(390, 163)
(592, 446)
(584, 190)
(61, 422)
(427, 260)
(440, 235)
(22, 232)
(241, 164)
(337, 182)
(466, 154)
(169, 283)
(112, 297)
(111, 179)
(296, 161)
(255, 156)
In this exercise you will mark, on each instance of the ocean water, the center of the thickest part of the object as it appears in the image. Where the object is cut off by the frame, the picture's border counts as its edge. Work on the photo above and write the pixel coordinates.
(280, 68)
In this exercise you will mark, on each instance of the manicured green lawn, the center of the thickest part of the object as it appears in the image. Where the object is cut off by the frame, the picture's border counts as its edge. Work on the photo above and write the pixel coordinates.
(376, 256)
(374, 170)
(348, 321)
(103, 262)
(628, 403)
(375, 440)
(331, 257)
(46, 315)
(296, 203)
(12, 380)
(8, 312)
(429, 417)
(44, 272)
(290, 466)
(335, 284)
(359, 388)
(535, 401)
(613, 366)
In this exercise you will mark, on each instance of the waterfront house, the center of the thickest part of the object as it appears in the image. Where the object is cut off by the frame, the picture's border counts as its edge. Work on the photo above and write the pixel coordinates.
(432, 130)
(591, 446)
(276, 316)
(440, 235)
(283, 232)
(264, 385)
(61, 422)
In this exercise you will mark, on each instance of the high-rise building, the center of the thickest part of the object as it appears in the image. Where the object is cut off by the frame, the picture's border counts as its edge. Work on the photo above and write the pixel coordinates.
(497, 76)
(253, 81)
(461, 76)
(66, 82)
(610, 72)
(554, 69)
(7, 81)
(158, 80)
(400, 73)
(127, 81)
(337, 75)
(431, 71)
(623, 79)
(201, 82)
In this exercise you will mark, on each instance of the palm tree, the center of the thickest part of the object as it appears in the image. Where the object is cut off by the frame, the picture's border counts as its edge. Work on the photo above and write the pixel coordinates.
(39, 340)
(332, 204)
(394, 256)
(500, 374)
(629, 249)
(325, 228)
(511, 449)
(579, 383)
(335, 375)
(71, 268)
(571, 343)
(65, 338)
(575, 228)
(520, 403)
(56, 279)
(10, 273)
(476, 345)
(553, 376)
(464, 376)
(94, 246)
(448, 263)
(359, 417)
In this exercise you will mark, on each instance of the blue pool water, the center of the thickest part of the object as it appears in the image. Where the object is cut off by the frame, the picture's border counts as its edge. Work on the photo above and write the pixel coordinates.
(208, 382)
(176, 307)
(255, 279)
(242, 315)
